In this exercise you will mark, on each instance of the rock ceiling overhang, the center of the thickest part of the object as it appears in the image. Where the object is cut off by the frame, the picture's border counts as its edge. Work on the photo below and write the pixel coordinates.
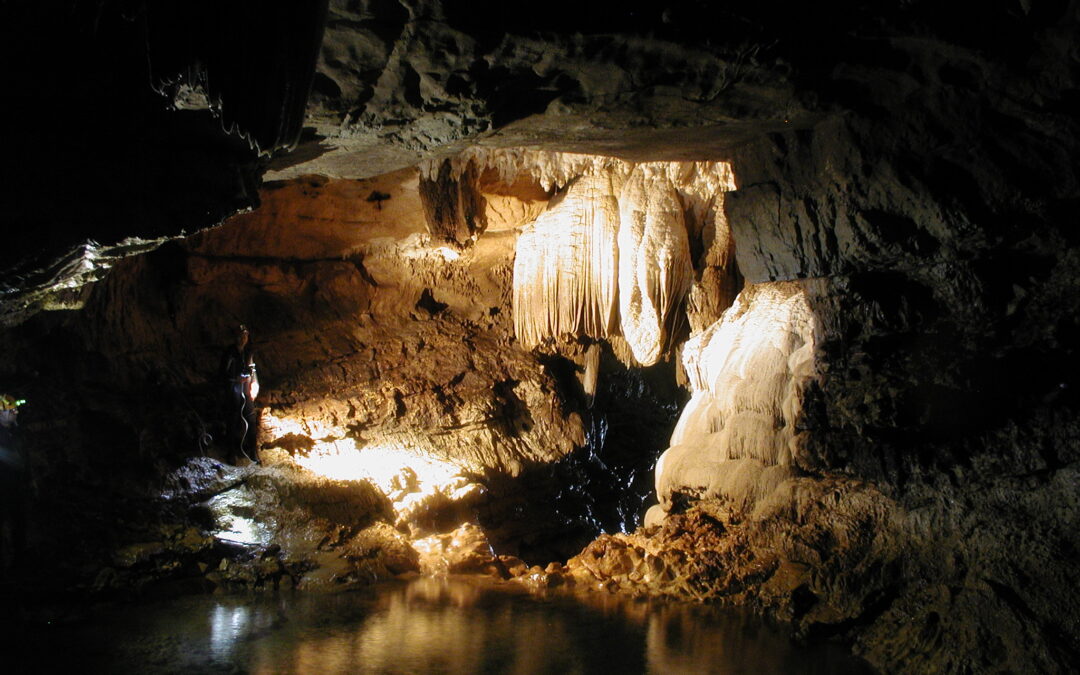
(392, 84)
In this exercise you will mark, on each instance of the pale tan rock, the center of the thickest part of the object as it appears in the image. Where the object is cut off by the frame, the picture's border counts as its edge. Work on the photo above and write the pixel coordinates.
(737, 436)
(655, 271)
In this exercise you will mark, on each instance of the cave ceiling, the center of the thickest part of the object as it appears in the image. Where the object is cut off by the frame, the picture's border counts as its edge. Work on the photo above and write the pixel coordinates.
(153, 120)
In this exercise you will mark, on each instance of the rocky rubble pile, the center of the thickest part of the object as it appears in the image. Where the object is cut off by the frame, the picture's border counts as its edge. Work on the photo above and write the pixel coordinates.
(262, 528)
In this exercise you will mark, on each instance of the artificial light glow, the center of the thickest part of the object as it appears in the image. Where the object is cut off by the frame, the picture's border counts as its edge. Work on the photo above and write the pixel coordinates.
(417, 246)
(232, 526)
(405, 474)
(448, 253)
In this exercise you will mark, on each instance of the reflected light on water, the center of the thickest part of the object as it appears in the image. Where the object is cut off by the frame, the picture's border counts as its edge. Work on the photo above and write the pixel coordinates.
(454, 626)
(462, 626)
(227, 625)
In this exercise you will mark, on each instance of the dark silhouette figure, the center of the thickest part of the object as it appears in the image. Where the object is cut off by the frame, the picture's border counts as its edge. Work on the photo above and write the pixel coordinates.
(13, 486)
(241, 388)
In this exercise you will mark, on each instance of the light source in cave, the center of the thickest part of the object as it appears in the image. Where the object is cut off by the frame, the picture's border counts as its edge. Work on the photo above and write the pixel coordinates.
(408, 476)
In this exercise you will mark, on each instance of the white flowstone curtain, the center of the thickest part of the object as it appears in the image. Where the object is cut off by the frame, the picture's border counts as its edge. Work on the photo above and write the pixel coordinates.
(655, 271)
(738, 435)
(566, 266)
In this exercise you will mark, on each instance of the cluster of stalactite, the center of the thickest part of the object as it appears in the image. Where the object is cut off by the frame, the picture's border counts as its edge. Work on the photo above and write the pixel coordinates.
(566, 266)
(655, 270)
(611, 257)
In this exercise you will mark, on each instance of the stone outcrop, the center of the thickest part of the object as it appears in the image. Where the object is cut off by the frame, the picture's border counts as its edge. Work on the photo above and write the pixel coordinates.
(229, 529)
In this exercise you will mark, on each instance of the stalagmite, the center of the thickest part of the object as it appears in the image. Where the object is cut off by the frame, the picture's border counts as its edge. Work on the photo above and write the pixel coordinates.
(565, 268)
(738, 434)
(655, 270)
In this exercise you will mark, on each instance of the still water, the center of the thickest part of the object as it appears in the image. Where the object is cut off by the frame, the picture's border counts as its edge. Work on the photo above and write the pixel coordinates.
(459, 626)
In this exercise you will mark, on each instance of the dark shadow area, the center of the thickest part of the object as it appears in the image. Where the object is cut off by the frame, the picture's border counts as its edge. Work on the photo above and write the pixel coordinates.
(550, 511)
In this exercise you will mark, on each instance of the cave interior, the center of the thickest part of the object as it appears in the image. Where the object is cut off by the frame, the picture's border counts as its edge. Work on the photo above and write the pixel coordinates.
(741, 303)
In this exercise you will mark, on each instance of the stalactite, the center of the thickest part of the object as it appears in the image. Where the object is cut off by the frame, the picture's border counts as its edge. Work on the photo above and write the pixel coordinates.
(565, 269)
(738, 435)
(655, 271)
(554, 170)
(592, 370)
(696, 181)
(453, 206)
(569, 266)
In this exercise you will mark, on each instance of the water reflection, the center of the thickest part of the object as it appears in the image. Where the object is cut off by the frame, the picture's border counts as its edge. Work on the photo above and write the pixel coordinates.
(441, 626)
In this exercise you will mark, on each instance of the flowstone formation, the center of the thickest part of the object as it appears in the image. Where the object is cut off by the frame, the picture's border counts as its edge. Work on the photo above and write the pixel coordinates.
(739, 436)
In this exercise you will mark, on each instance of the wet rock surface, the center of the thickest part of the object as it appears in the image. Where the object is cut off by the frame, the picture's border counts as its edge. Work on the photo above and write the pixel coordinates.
(241, 529)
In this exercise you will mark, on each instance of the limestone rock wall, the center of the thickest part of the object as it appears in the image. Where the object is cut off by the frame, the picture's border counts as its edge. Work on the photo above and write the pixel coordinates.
(916, 159)
(385, 355)
(941, 418)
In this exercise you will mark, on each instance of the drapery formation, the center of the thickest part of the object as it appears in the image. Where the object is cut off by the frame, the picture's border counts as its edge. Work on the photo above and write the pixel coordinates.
(611, 257)
(655, 271)
(566, 266)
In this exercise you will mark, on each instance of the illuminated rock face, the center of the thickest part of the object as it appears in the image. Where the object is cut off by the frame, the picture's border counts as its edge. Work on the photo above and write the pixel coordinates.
(610, 260)
(385, 353)
(655, 271)
(738, 435)
(566, 266)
